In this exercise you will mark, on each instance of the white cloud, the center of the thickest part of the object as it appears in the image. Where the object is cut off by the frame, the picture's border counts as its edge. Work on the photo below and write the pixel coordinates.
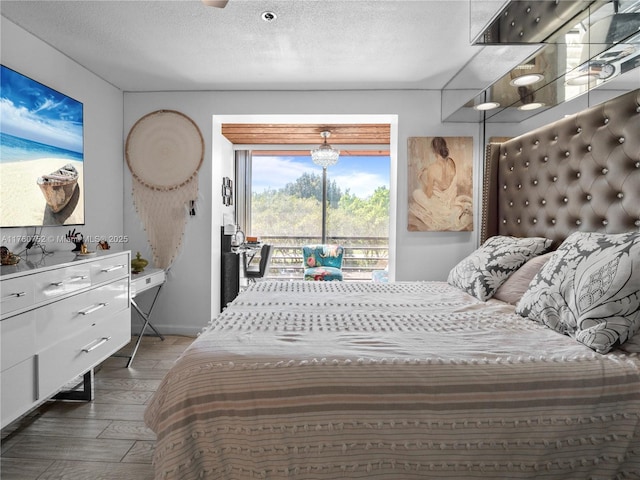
(361, 184)
(21, 122)
(276, 172)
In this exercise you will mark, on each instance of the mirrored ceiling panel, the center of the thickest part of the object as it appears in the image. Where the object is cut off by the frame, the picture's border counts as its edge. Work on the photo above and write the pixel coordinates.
(533, 21)
(602, 43)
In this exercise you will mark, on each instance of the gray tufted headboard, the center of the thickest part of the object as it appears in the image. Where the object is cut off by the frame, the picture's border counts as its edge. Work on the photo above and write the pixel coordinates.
(579, 173)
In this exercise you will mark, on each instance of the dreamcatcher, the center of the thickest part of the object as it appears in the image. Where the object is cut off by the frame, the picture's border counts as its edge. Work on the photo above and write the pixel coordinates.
(164, 152)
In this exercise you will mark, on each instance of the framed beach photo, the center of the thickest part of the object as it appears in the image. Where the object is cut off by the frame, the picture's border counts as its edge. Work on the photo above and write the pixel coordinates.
(41, 154)
(440, 184)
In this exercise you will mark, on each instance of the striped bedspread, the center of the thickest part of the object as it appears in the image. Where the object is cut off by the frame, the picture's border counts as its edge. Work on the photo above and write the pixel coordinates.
(391, 381)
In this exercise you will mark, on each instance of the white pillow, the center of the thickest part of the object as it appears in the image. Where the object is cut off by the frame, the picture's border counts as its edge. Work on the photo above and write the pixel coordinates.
(481, 273)
(589, 289)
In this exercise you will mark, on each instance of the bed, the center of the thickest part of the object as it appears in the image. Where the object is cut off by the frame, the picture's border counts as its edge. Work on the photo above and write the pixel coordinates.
(463, 379)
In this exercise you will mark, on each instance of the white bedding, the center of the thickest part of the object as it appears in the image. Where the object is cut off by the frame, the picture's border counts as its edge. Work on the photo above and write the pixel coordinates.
(332, 380)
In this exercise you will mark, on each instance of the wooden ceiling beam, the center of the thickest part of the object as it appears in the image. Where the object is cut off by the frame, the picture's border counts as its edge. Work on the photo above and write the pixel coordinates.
(305, 134)
(343, 153)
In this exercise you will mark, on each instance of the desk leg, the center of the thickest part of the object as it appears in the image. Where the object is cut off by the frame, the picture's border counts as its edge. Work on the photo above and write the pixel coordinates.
(146, 317)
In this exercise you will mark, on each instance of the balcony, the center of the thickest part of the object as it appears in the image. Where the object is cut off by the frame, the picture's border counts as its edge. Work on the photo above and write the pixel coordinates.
(362, 255)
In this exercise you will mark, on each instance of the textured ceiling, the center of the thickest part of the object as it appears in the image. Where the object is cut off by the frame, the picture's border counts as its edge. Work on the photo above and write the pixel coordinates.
(312, 44)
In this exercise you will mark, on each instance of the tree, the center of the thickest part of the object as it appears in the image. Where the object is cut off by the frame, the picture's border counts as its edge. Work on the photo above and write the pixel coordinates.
(309, 185)
(365, 217)
(295, 210)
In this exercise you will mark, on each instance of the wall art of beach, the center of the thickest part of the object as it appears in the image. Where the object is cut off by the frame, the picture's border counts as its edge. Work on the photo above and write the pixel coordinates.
(41, 132)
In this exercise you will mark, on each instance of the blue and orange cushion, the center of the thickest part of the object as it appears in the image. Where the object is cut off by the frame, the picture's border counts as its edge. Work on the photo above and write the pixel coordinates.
(322, 262)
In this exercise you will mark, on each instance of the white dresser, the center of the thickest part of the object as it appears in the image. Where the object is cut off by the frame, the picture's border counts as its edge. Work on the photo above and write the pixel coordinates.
(60, 316)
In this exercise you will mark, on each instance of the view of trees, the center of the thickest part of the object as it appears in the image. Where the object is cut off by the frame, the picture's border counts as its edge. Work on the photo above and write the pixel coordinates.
(296, 210)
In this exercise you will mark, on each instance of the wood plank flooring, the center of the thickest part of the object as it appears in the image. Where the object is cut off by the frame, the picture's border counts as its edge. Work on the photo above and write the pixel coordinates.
(105, 439)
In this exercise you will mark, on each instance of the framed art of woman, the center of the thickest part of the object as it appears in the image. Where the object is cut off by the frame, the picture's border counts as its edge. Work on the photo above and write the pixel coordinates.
(440, 198)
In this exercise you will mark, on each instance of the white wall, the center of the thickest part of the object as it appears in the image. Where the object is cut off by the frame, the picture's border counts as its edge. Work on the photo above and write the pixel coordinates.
(103, 161)
(186, 304)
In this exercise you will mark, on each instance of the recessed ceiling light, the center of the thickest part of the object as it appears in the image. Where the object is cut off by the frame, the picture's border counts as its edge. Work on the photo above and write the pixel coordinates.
(531, 106)
(526, 79)
(582, 79)
(486, 106)
(268, 16)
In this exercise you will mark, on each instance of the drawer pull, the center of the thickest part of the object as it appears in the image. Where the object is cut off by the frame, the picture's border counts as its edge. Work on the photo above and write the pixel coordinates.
(95, 308)
(13, 295)
(72, 279)
(102, 341)
(111, 269)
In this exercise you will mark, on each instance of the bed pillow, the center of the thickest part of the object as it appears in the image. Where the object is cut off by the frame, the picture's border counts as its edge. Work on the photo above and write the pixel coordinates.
(512, 290)
(481, 273)
(589, 289)
(632, 345)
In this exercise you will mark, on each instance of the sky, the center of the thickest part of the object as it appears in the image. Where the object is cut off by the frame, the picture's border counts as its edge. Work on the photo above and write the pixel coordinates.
(361, 175)
(38, 113)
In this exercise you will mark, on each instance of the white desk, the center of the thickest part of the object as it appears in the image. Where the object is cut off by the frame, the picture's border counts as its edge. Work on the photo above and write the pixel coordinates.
(142, 282)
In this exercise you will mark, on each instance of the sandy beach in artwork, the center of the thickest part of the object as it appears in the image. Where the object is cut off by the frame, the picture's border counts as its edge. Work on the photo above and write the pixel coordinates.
(21, 200)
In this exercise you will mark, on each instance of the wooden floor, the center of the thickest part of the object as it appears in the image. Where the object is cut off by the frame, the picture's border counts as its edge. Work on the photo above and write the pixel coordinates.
(105, 439)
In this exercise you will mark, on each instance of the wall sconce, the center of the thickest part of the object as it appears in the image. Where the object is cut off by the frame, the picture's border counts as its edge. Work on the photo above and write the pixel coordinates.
(227, 191)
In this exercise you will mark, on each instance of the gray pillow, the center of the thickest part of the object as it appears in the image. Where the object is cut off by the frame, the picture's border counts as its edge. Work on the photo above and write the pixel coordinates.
(481, 273)
(512, 290)
(589, 289)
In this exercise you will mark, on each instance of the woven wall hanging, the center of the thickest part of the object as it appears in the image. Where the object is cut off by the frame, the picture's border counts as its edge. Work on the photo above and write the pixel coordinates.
(164, 152)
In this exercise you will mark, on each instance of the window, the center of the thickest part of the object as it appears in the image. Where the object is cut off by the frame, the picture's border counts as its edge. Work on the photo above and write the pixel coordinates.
(283, 206)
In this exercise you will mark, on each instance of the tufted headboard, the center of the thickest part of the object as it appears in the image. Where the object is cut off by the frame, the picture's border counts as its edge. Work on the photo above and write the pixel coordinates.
(579, 173)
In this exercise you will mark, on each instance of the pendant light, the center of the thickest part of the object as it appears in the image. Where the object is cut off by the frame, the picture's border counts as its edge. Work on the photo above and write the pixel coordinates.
(325, 155)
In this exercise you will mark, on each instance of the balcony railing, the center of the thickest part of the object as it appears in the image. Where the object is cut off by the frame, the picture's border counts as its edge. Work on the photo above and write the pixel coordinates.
(362, 255)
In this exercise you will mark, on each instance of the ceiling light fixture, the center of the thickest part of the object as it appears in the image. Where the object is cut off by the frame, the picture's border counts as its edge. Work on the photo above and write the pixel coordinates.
(325, 155)
(531, 106)
(526, 79)
(582, 79)
(486, 106)
(268, 16)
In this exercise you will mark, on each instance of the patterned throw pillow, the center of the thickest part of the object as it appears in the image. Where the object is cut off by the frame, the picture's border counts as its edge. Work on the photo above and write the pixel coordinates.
(589, 289)
(482, 272)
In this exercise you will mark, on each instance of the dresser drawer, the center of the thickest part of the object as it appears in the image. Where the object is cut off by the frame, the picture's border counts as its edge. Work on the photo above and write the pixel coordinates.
(74, 356)
(16, 294)
(17, 390)
(17, 339)
(67, 317)
(109, 268)
(56, 283)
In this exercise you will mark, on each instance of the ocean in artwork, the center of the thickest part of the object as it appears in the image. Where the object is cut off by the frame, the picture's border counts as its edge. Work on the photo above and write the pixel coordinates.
(16, 149)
